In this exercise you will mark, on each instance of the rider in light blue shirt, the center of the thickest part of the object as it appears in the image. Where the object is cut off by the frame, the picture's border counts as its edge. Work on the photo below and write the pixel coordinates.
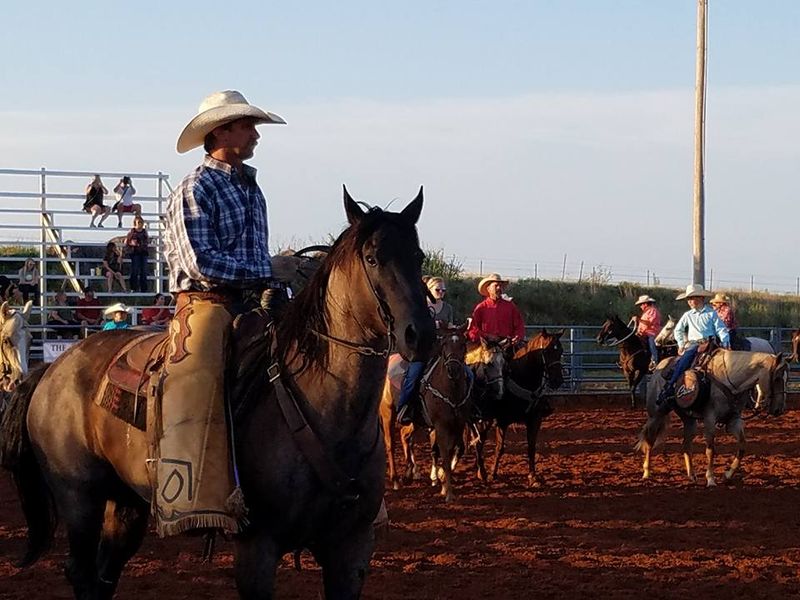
(697, 324)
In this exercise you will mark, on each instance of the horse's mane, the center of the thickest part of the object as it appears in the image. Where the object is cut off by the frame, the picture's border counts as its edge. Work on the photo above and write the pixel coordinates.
(305, 315)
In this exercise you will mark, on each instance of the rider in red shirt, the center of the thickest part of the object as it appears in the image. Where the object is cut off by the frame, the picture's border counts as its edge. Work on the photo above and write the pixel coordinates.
(649, 325)
(495, 316)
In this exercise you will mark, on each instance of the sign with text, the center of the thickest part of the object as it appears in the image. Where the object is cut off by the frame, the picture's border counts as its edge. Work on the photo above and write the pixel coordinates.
(52, 349)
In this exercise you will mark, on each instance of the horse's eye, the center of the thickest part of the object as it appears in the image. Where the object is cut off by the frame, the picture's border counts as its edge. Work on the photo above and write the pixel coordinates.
(371, 260)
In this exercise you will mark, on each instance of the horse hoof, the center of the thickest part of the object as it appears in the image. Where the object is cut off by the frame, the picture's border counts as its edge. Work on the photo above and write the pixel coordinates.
(395, 485)
(535, 482)
(711, 483)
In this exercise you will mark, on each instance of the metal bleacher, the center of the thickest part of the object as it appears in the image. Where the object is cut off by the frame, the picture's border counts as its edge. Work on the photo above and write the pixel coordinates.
(41, 217)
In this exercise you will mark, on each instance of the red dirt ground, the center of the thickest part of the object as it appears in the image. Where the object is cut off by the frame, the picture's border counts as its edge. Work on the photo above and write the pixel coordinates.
(595, 530)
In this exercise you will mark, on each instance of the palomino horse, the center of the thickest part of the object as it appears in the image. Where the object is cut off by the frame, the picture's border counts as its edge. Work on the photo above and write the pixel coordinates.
(533, 368)
(733, 374)
(445, 390)
(15, 345)
(321, 491)
(667, 337)
(634, 356)
(796, 345)
(488, 360)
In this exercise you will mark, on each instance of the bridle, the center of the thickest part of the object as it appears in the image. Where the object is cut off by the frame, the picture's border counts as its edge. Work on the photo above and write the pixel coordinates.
(616, 341)
(386, 317)
(425, 384)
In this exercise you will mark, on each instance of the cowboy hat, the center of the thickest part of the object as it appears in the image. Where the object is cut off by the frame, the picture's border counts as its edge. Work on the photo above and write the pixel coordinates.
(484, 283)
(217, 109)
(115, 308)
(720, 298)
(692, 291)
(644, 298)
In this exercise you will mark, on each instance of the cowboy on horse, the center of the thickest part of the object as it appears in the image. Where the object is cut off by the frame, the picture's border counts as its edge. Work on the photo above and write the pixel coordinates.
(216, 247)
(649, 325)
(496, 316)
(696, 325)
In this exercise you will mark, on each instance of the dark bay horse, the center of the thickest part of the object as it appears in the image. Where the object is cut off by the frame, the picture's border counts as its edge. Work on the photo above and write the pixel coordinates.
(532, 369)
(445, 392)
(733, 375)
(71, 458)
(634, 356)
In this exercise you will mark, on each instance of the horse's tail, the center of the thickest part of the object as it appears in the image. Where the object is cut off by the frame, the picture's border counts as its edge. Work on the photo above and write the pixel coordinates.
(16, 455)
(652, 433)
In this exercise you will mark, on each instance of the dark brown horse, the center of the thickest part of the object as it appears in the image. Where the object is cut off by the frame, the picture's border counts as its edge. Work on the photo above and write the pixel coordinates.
(634, 356)
(445, 397)
(532, 369)
(72, 458)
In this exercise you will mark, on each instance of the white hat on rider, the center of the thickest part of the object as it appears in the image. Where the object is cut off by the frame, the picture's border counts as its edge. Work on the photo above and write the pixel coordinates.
(643, 299)
(694, 290)
(217, 109)
(115, 308)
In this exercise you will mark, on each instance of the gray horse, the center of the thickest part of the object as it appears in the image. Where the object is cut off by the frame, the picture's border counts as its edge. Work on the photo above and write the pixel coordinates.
(733, 375)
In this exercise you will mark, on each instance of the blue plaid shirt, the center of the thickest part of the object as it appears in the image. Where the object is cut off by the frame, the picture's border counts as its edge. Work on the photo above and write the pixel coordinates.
(216, 230)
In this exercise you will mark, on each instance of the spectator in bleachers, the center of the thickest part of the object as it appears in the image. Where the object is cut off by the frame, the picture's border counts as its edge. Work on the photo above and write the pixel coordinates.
(124, 192)
(29, 280)
(95, 192)
(87, 310)
(62, 316)
(112, 267)
(137, 243)
(117, 315)
(158, 315)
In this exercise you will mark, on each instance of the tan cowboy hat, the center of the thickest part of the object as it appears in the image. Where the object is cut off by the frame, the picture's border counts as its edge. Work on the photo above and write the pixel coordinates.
(484, 283)
(694, 290)
(115, 308)
(720, 298)
(644, 298)
(217, 109)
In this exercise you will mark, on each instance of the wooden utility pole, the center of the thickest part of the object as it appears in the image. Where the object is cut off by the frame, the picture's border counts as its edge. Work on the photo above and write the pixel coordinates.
(698, 221)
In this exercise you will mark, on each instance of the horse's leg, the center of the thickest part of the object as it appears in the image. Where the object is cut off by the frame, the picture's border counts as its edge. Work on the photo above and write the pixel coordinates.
(499, 448)
(123, 531)
(648, 436)
(480, 463)
(387, 421)
(406, 439)
(736, 429)
(256, 557)
(345, 564)
(689, 431)
(532, 428)
(709, 425)
(81, 508)
(446, 443)
(634, 379)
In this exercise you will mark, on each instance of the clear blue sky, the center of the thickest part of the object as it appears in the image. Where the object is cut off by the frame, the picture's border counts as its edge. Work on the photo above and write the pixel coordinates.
(538, 128)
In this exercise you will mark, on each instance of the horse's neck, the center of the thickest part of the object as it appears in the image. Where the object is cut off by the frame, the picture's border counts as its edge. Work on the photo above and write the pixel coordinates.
(529, 368)
(739, 370)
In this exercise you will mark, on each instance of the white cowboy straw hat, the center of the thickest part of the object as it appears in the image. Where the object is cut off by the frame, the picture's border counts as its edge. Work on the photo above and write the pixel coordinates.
(217, 109)
(484, 283)
(118, 307)
(644, 298)
(692, 291)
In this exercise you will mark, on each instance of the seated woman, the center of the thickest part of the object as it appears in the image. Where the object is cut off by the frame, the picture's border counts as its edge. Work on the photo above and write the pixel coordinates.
(159, 315)
(112, 267)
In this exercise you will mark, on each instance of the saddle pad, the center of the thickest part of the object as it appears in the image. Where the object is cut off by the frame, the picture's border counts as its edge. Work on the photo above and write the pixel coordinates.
(396, 370)
(125, 405)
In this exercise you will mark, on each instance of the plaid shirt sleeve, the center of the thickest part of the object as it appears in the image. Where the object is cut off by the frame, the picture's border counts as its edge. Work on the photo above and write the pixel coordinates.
(197, 248)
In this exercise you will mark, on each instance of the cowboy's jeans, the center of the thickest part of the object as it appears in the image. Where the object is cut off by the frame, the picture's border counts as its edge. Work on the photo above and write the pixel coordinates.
(683, 363)
(651, 343)
(410, 381)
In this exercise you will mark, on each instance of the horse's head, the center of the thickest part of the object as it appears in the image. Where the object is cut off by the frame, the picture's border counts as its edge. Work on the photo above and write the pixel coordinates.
(548, 345)
(488, 361)
(453, 349)
(795, 346)
(666, 336)
(15, 342)
(611, 331)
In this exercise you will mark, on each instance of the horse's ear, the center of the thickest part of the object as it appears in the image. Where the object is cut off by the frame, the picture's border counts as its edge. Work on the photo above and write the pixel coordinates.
(484, 343)
(544, 331)
(351, 208)
(5, 312)
(670, 317)
(558, 333)
(413, 210)
(26, 310)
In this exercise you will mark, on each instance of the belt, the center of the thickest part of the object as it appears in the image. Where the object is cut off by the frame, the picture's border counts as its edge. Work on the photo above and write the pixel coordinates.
(218, 296)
